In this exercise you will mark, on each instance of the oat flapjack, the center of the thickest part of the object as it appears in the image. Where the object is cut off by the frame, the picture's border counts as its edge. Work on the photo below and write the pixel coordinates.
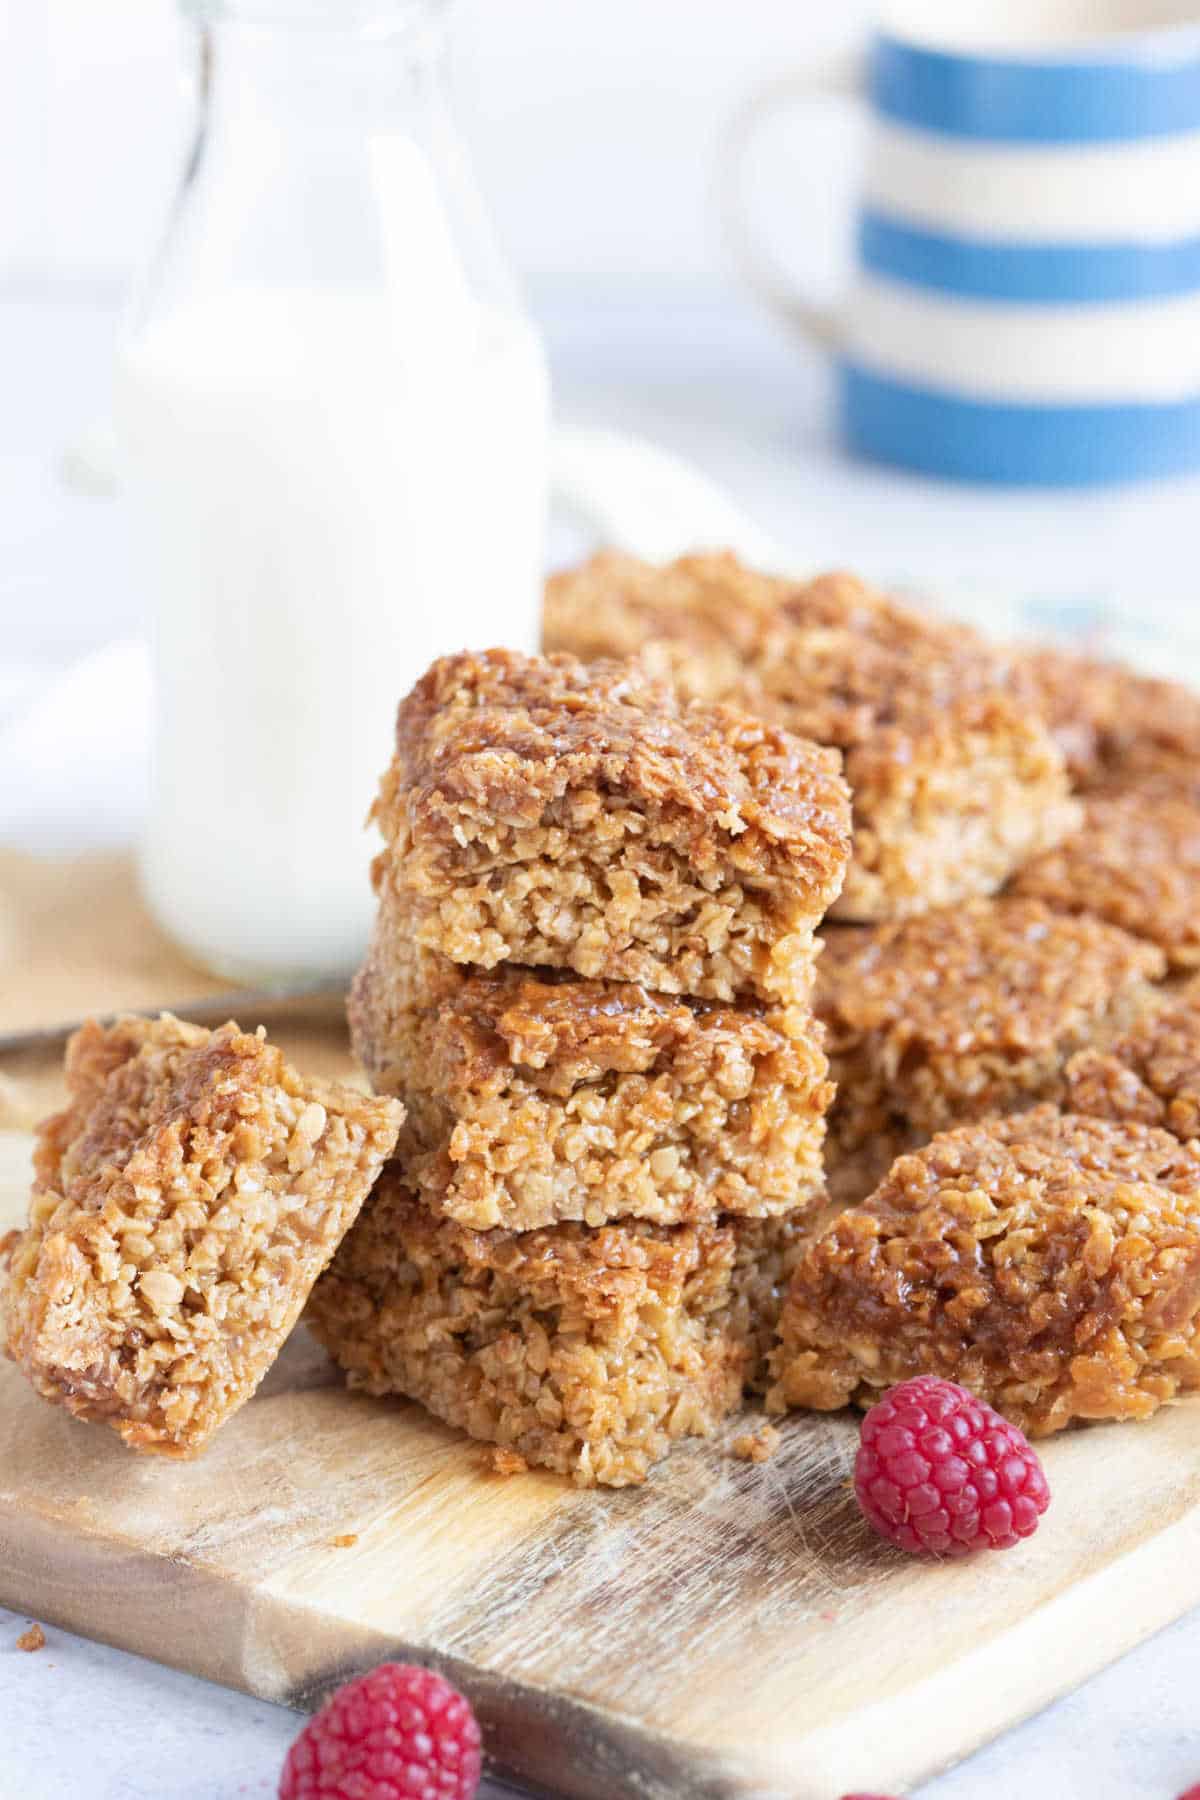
(1047, 1261)
(534, 1096)
(1135, 861)
(184, 1203)
(955, 778)
(1150, 1073)
(961, 1012)
(543, 813)
(587, 1351)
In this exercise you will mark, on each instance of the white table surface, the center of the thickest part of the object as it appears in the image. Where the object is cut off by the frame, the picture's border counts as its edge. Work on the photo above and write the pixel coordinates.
(700, 373)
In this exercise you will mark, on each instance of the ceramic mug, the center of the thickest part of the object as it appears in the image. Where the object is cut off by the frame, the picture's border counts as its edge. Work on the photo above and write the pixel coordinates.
(1026, 299)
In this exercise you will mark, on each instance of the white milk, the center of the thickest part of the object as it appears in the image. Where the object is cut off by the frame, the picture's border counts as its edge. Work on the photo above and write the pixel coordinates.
(332, 500)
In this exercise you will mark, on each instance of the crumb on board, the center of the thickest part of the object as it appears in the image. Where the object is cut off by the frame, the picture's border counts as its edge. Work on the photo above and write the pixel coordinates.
(345, 1540)
(33, 1639)
(502, 1461)
(757, 1446)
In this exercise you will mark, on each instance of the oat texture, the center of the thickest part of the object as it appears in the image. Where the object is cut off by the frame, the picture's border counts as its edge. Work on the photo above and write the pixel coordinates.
(956, 780)
(587, 1351)
(1136, 862)
(542, 813)
(1117, 728)
(1049, 1262)
(1149, 1074)
(962, 1012)
(184, 1203)
(533, 1097)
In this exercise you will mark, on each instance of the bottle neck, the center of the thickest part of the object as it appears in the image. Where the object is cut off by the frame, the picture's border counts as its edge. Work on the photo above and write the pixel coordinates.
(326, 156)
(317, 62)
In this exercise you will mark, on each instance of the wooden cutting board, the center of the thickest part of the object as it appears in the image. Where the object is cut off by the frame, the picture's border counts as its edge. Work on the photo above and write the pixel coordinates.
(730, 1629)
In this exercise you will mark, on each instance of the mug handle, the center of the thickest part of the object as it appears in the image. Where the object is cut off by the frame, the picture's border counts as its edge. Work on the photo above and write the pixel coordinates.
(841, 76)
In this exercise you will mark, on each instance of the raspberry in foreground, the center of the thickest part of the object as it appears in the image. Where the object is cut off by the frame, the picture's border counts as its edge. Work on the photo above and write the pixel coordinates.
(396, 1733)
(941, 1472)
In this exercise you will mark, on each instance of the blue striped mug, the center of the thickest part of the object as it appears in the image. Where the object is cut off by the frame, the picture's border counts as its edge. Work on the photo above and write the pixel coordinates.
(1025, 305)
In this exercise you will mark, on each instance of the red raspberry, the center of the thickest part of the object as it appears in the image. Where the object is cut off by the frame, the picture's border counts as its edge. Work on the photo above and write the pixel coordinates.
(939, 1471)
(397, 1733)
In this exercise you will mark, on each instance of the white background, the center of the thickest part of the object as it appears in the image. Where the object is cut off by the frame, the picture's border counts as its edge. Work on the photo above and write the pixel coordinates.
(593, 123)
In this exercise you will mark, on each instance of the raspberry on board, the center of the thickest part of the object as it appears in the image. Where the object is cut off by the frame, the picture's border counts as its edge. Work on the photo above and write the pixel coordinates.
(939, 1472)
(396, 1733)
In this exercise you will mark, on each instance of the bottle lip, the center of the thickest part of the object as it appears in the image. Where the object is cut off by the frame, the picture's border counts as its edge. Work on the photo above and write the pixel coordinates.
(333, 15)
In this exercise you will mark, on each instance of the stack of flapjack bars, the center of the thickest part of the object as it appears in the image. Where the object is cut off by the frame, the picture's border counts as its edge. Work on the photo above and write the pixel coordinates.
(590, 983)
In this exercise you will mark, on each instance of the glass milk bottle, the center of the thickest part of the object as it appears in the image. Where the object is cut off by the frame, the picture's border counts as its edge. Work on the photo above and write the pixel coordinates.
(333, 425)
